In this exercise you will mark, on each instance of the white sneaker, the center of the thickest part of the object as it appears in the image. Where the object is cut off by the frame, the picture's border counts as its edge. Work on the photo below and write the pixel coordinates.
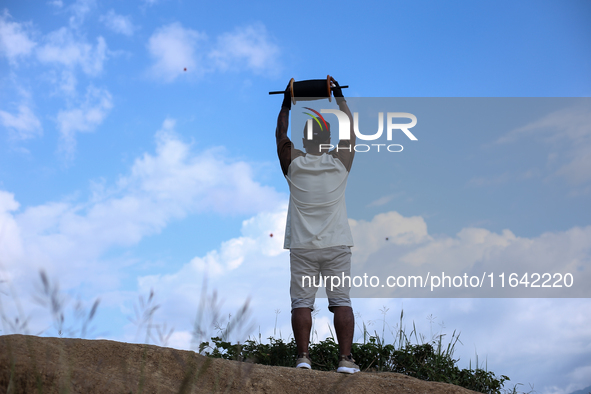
(347, 365)
(304, 361)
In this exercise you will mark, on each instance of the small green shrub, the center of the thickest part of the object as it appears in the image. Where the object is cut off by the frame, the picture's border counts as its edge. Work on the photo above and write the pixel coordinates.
(427, 361)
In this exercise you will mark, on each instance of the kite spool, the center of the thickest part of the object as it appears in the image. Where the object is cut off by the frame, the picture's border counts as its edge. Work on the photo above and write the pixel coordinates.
(310, 89)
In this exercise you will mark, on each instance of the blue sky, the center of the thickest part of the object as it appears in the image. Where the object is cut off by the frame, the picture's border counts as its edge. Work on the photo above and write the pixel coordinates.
(121, 172)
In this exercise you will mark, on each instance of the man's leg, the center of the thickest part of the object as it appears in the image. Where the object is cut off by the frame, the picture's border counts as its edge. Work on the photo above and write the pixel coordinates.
(301, 323)
(344, 324)
(338, 268)
(304, 275)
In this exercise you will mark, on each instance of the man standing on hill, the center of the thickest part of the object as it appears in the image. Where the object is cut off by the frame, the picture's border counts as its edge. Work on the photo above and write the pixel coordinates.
(317, 231)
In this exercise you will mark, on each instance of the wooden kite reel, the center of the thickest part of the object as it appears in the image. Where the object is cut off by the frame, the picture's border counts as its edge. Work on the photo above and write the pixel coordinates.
(310, 89)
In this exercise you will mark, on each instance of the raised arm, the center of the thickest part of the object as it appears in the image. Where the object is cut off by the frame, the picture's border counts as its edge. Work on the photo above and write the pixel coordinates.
(346, 150)
(284, 144)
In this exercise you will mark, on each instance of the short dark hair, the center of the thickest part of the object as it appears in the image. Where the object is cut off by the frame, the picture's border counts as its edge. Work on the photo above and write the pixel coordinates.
(319, 134)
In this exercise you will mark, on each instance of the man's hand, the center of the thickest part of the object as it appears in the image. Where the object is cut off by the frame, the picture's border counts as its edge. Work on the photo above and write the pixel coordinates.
(337, 92)
(287, 97)
(336, 88)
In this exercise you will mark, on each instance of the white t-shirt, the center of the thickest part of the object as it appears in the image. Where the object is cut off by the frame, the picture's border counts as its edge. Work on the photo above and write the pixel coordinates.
(317, 214)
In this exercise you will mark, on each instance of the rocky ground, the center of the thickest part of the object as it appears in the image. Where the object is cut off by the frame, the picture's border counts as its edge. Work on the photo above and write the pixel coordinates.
(30, 364)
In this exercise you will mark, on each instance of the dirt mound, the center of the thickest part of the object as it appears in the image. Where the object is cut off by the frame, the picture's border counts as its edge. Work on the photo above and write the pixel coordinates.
(30, 364)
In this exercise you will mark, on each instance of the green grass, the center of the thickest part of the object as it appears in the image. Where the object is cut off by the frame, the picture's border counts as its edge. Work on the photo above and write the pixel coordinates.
(409, 354)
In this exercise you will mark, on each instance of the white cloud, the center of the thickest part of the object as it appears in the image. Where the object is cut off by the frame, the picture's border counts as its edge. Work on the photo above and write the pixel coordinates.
(250, 265)
(118, 23)
(24, 125)
(56, 3)
(252, 261)
(67, 82)
(85, 118)
(207, 182)
(371, 236)
(160, 188)
(180, 340)
(256, 241)
(15, 41)
(79, 10)
(469, 246)
(174, 48)
(570, 128)
(475, 252)
(63, 49)
(254, 251)
(247, 47)
(69, 240)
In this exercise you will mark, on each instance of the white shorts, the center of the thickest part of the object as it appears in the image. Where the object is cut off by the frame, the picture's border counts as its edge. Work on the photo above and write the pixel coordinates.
(334, 261)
